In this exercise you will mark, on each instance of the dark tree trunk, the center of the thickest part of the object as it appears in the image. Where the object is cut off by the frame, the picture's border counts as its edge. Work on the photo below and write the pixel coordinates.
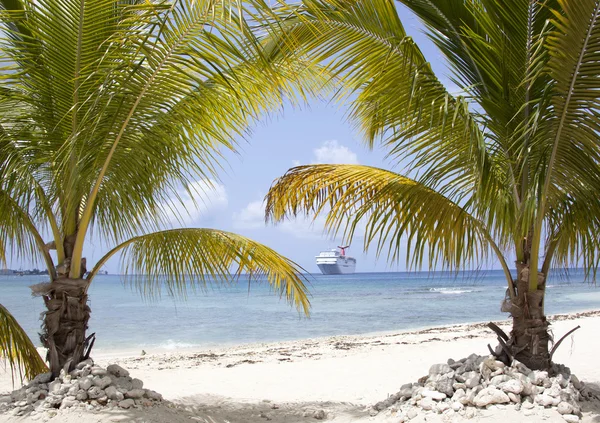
(529, 338)
(65, 323)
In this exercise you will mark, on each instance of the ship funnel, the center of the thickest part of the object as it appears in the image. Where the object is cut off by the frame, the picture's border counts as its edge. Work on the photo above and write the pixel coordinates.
(343, 249)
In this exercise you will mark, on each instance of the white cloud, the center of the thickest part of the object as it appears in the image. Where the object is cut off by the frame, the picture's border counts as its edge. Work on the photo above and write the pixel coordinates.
(333, 153)
(250, 217)
(296, 162)
(253, 216)
(309, 228)
(304, 228)
(206, 197)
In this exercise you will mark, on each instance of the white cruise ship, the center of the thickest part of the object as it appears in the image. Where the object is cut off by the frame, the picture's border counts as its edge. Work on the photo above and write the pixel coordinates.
(334, 262)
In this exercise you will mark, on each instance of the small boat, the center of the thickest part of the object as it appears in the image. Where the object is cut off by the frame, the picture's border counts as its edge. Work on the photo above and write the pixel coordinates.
(334, 262)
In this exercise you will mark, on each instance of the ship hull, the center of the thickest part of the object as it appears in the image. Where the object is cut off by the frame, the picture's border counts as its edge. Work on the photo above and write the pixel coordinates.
(341, 267)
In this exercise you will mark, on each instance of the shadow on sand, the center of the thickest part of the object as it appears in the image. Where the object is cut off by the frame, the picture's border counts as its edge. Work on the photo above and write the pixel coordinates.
(208, 410)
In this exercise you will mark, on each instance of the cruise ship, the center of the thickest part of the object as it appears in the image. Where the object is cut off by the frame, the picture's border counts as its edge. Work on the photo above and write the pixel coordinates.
(334, 262)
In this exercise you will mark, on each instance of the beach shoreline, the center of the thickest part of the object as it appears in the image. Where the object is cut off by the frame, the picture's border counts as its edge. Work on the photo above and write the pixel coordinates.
(121, 353)
(344, 375)
(355, 340)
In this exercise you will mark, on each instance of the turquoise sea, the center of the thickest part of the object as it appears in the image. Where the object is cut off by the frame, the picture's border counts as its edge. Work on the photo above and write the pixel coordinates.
(345, 304)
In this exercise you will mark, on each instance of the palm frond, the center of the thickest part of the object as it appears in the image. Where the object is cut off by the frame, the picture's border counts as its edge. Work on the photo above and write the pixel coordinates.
(571, 153)
(17, 349)
(575, 234)
(180, 259)
(198, 44)
(575, 105)
(395, 209)
(182, 144)
(395, 96)
(112, 106)
(19, 236)
(447, 23)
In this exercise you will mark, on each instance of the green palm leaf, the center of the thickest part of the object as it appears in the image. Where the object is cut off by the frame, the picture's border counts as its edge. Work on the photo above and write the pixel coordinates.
(18, 231)
(17, 349)
(152, 88)
(395, 96)
(395, 209)
(567, 147)
(180, 259)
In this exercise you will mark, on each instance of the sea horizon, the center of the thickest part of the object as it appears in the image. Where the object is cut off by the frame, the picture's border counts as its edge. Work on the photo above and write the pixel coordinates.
(317, 272)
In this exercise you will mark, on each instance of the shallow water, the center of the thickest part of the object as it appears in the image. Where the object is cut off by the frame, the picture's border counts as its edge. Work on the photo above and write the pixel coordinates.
(344, 304)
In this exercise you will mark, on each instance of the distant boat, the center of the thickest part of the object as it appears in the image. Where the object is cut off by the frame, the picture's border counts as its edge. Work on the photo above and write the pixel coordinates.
(334, 262)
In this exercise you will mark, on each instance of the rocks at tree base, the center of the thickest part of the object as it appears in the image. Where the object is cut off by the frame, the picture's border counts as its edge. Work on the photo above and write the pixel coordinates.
(435, 395)
(86, 386)
(576, 383)
(117, 370)
(128, 403)
(95, 392)
(102, 382)
(113, 394)
(319, 414)
(472, 379)
(98, 371)
(42, 378)
(489, 396)
(439, 369)
(512, 385)
(153, 395)
(85, 383)
(457, 406)
(124, 382)
(564, 408)
(406, 390)
(85, 363)
(445, 384)
(427, 403)
(81, 395)
(462, 386)
(135, 393)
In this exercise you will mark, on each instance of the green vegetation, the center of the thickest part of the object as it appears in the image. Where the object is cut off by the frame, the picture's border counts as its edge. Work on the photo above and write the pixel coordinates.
(108, 108)
(508, 170)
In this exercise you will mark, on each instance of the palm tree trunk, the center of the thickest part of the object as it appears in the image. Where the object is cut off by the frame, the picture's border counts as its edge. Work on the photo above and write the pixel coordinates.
(65, 324)
(529, 337)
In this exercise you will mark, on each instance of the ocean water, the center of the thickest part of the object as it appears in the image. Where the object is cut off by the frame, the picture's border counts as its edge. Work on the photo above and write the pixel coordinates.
(341, 305)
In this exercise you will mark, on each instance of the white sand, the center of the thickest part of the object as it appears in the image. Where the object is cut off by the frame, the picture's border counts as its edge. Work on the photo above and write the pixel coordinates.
(342, 375)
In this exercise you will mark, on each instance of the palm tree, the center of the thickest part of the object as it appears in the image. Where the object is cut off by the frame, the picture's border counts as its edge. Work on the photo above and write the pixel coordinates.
(109, 108)
(509, 169)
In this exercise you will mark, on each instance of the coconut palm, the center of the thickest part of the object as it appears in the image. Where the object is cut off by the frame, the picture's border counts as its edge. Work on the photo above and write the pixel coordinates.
(109, 109)
(507, 170)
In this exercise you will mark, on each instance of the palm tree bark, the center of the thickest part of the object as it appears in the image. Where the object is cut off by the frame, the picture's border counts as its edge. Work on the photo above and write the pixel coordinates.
(529, 338)
(65, 323)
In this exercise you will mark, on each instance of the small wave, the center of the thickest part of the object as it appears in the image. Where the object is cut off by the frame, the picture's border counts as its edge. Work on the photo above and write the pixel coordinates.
(451, 291)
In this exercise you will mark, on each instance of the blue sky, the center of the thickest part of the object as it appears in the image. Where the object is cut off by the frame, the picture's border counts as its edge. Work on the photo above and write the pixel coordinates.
(316, 133)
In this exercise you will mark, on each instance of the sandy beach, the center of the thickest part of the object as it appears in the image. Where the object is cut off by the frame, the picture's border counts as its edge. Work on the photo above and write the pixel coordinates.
(342, 375)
